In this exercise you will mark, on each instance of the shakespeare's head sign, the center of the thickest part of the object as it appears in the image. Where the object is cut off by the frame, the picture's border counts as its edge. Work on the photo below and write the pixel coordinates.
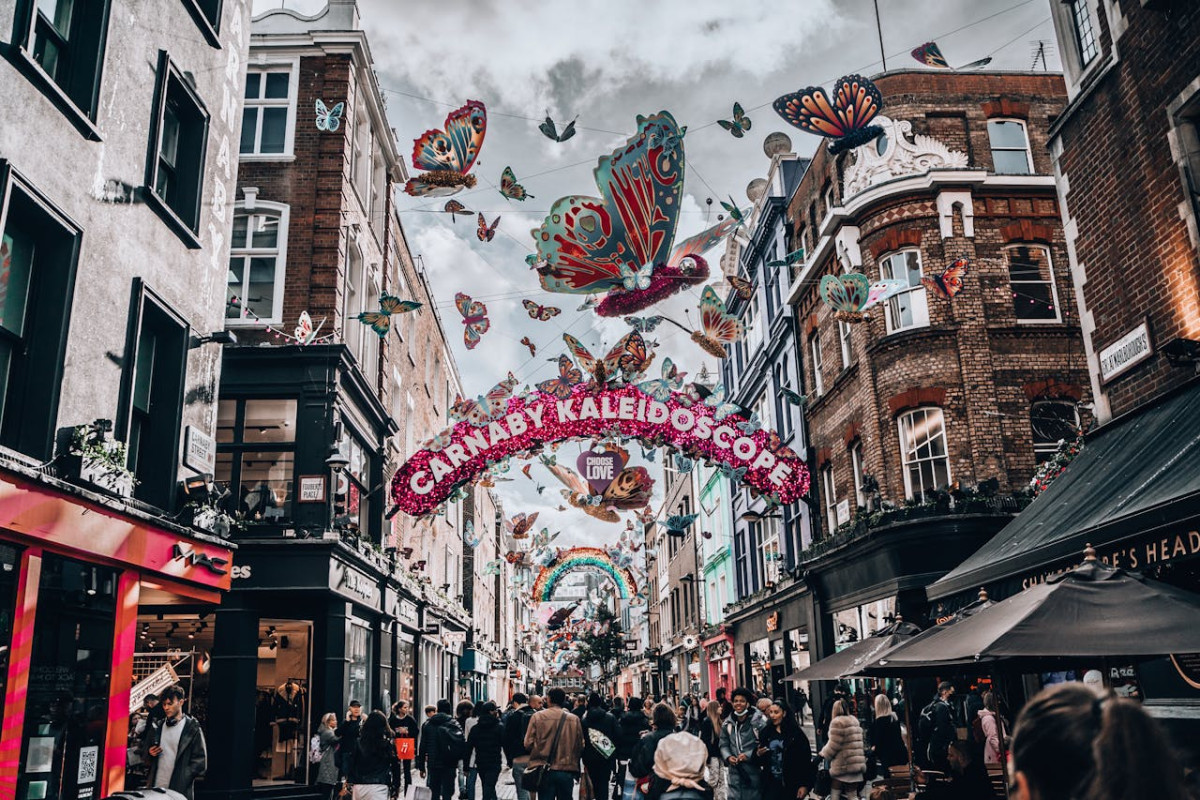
(531, 421)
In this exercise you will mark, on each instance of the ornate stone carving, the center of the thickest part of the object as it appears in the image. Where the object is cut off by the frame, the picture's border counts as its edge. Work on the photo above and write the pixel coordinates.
(904, 153)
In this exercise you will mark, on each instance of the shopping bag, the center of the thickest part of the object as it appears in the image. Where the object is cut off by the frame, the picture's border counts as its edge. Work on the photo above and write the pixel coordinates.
(418, 793)
(406, 749)
(586, 792)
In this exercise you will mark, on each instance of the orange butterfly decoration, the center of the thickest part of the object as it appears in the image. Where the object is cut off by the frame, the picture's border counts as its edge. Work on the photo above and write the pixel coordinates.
(949, 283)
(539, 312)
(525, 340)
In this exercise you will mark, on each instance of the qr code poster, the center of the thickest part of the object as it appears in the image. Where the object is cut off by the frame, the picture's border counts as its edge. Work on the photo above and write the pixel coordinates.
(89, 764)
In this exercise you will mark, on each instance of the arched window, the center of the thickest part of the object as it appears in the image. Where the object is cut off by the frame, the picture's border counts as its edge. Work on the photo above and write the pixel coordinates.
(909, 308)
(923, 452)
(1053, 421)
(257, 260)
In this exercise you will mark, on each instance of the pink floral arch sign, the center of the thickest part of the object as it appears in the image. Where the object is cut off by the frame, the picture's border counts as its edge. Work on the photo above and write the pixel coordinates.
(756, 457)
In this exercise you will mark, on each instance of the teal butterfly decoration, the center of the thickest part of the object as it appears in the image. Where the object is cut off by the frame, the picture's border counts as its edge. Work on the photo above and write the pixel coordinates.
(636, 279)
(677, 524)
(734, 212)
(683, 464)
(381, 320)
(469, 537)
(329, 119)
(661, 388)
(750, 426)
(643, 324)
(793, 397)
(734, 475)
(739, 124)
(791, 258)
(716, 401)
(649, 455)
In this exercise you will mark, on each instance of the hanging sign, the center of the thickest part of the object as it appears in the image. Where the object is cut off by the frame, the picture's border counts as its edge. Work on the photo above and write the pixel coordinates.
(600, 468)
(153, 683)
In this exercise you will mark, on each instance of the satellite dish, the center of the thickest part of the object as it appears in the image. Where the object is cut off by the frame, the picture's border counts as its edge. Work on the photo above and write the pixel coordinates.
(756, 189)
(776, 144)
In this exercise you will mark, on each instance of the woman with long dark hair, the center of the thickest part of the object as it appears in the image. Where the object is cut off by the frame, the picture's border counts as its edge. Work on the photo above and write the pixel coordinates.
(786, 755)
(369, 771)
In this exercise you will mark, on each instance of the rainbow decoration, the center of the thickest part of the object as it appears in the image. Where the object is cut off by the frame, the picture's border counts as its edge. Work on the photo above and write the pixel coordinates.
(578, 558)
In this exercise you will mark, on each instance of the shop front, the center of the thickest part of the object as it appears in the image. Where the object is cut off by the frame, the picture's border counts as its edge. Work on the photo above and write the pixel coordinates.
(474, 669)
(73, 573)
(718, 652)
(762, 636)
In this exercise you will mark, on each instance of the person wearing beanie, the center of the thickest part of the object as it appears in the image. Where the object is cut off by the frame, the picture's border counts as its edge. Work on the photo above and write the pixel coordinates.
(680, 761)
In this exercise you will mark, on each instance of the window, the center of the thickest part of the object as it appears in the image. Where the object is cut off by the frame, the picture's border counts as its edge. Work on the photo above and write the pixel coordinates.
(62, 44)
(847, 345)
(1085, 35)
(909, 308)
(1010, 147)
(256, 444)
(1053, 422)
(752, 321)
(358, 657)
(352, 500)
(762, 407)
(785, 411)
(175, 174)
(772, 557)
(829, 489)
(152, 392)
(269, 116)
(1031, 277)
(257, 264)
(207, 15)
(354, 299)
(38, 252)
(829, 203)
(818, 380)
(856, 462)
(923, 452)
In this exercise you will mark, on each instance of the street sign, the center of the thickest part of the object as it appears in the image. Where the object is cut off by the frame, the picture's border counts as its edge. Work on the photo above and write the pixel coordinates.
(631, 645)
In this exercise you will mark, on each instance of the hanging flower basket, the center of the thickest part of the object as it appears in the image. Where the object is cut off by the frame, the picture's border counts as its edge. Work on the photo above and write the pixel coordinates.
(96, 459)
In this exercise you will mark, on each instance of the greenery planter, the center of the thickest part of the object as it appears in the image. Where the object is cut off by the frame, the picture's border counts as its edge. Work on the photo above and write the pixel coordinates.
(99, 473)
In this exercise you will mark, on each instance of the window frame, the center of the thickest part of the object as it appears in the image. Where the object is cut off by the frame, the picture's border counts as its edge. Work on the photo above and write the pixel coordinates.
(1046, 450)
(845, 344)
(1028, 149)
(905, 462)
(283, 212)
(169, 72)
(856, 467)
(1077, 35)
(292, 68)
(239, 447)
(919, 320)
(1008, 250)
(210, 28)
(814, 347)
(829, 490)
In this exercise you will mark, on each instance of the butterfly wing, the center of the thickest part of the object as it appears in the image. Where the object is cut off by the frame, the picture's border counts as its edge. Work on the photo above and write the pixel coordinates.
(857, 101)
(509, 186)
(847, 292)
(304, 329)
(632, 488)
(702, 242)
(467, 410)
(379, 321)
(567, 132)
(457, 146)
(482, 232)
(569, 478)
(525, 340)
(628, 358)
(568, 376)
(930, 55)
(951, 278)
(587, 362)
(394, 305)
(811, 111)
(742, 286)
(882, 290)
(548, 130)
(717, 323)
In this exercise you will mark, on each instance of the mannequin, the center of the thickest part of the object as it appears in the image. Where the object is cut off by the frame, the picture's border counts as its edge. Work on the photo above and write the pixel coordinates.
(287, 712)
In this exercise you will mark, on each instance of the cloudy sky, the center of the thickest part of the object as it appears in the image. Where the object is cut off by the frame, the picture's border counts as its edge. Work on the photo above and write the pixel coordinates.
(606, 63)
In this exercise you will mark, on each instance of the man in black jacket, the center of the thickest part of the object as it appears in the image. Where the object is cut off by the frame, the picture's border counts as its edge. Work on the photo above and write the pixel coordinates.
(516, 722)
(441, 748)
(175, 747)
(944, 731)
(599, 744)
(485, 742)
(631, 727)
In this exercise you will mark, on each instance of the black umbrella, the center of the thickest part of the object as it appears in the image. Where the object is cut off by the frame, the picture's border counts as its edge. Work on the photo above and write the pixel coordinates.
(880, 666)
(1093, 611)
(856, 656)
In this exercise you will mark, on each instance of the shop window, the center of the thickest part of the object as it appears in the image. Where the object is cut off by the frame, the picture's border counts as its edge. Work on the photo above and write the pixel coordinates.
(1053, 422)
(352, 502)
(909, 308)
(1188, 127)
(257, 264)
(856, 461)
(818, 379)
(207, 15)
(175, 172)
(64, 41)
(923, 452)
(1085, 33)
(759, 665)
(38, 252)
(282, 716)
(829, 490)
(354, 297)
(358, 663)
(1031, 277)
(256, 457)
(269, 114)
(1010, 147)
(10, 571)
(66, 708)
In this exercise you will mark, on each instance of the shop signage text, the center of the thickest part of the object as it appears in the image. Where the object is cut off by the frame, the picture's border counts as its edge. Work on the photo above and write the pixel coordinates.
(312, 489)
(195, 558)
(406, 612)
(199, 450)
(348, 580)
(1126, 353)
(1138, 555)
(153, 683)
(773, 622)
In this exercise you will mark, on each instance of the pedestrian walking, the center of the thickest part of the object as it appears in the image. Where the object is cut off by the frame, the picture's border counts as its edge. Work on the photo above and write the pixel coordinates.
(349, 734)
(786, 755)
(327, 769)
(739, 742)
(631, 727)
(678, 772)
(516, 722)
(465, 714)
(555, 741)
(369, 765)
(641, 765)
(938, 721)
(599, 745)
(844, 750)
(175, 749)
(485, 741)
(988, 729)
(722, 697)
(801, 702)
(404, 725)
(840, 692)
(887, 741)
(441, 748)
(710, 734)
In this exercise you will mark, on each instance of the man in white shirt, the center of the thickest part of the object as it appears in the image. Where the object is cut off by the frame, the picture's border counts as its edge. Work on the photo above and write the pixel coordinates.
(176, 750)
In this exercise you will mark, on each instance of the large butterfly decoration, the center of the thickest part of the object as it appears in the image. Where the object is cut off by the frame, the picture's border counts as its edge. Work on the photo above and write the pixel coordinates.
(717, 326)
(381, 320)
(569, 376)
(454, 208)
(791, 258)
(551, 132)
(845, 119)
(739, 124)
(329, 119)
(485, 407)
(485, 233)
(509, 186)
(677, 524)
(619, 243)
(474, 314)
(743, 287)
(519, 526)
(949, 283)
(930, 55)
(851, 294)
(735, 213)
(525, 340)
(305, 333)
(626, 360)
(631, 489)
(449, 154)
(539, 312)
(661, 388)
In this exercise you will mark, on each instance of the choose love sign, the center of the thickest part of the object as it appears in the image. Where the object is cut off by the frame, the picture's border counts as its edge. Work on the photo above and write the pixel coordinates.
(600, 468)
(533, 420)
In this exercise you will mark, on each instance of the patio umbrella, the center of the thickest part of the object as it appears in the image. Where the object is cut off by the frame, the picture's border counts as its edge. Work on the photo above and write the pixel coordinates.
(1092, 611)
(853, 658)
(881, 666)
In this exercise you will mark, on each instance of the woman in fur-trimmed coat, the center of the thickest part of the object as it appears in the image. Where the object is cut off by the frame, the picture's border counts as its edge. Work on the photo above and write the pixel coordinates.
(846, 754)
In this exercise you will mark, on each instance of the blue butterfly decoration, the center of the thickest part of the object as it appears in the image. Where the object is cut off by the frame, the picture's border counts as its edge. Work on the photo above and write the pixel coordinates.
(716, 401)
(683, 464)
(643, 324)
(329, 119)
(677, 524)
(469, 537)
(750, 426)
(649, 455)
(734, 475)
(661, 388)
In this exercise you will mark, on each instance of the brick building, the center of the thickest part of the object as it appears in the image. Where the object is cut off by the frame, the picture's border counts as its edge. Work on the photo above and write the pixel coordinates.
(679, 580)
(928, 394)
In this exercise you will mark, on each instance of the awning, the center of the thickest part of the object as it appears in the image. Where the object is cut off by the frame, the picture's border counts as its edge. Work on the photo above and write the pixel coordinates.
(1135, 475)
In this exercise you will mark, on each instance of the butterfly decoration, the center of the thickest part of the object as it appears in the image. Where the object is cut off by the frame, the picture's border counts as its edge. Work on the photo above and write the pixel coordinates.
(735, 213)
(717, 326)
(949, 283)
(750, 426)
(525, 471)
(515, 557)
(449, 154)
(510, 188)
(454, 208)
(618, 243)
(439, 441)
(486, 407)
(702, 242)
(329, 119)
(589, 304)
(525, 340)
(643, 324)
(568, 377)
(475, 319)
(631, 489)
(519, 526)
(649, 455)
(539, 312)
(533, 259)
(683, 464)
(626, 360)
(469, 538)
(743, 287)
(304, 333)
(677, 524)
(492, 567)
(851, 294)
(661, 388)
(539, 488)
(794, 398)
(716, 401)
(735, 475)
(381, 321)
(551, 132)
(739, 124)
(845, 119)
(485, 233)
(791, 258)
(930, 55)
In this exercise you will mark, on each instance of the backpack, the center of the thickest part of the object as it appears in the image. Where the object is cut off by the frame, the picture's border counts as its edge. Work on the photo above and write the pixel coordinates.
(451, 743)
(600, 742)
(513, 739)
(315, 751)
(925, 724)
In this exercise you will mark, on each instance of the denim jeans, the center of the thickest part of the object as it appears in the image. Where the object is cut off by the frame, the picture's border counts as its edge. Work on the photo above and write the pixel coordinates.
(557, 785)
(466, 783)
(518, 769)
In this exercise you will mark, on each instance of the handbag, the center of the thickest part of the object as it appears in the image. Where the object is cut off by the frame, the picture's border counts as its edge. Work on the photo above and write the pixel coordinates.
(531, 780)
(586, 790)
(823, 784)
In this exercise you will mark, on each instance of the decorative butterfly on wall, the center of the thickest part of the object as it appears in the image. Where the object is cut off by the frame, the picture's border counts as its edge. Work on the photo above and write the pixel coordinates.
(626, 360)
(484, 233)
(661, 388)
(539, 312)
(474, 314)
(381, 320)
(851, 294)
(449, 154)
(791, 258)
(551, 132)
(329, 119)
(930, 55)
(519, 526)
(622, 239)
(845, 119)
(568, 377)
(949, 283)
(677, 524)
(739, 124)
(509, 186)
(794, 398)
(485, 407)
(454, 208)
(525, 340)
(717, 326)
(743, 287)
